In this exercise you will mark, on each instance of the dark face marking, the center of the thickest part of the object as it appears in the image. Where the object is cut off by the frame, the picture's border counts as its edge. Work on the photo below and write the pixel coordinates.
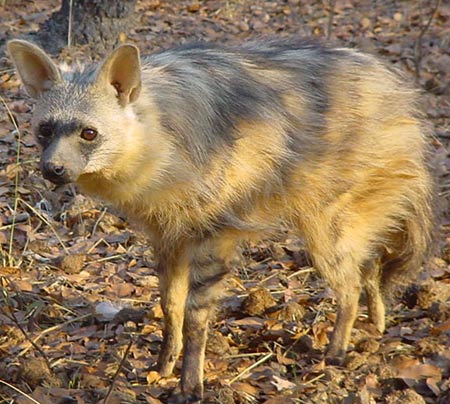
(47, 131)
(66, 148)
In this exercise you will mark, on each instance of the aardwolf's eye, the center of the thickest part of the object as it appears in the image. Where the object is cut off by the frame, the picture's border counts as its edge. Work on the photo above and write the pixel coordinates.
(45, 131)
(89, 134)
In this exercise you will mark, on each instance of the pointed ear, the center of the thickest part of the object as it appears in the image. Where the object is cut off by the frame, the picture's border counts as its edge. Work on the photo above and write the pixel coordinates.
(36, 70)
(122, 70)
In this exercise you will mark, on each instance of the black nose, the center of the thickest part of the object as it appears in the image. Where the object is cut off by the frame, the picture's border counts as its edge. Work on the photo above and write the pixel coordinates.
(55, 169)
(55, 172)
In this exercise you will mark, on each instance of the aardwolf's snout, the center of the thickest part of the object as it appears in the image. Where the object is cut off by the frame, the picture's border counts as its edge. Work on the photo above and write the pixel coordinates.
(55, 172)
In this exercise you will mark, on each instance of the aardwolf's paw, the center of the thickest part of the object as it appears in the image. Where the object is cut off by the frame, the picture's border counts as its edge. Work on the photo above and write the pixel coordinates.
(183, 398)
(166, 363)
(165, 370)
(334, 360)
(334, 356)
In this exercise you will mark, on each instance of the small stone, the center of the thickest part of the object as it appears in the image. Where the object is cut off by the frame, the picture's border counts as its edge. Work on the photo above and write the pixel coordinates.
(258, 25)
(354, 360)
(130, 326)
(304, 344)
(153, 376)
(225, 395)
(243, 26)
(35, 372)
(369, 345)
(128, 314)
(257, 302)
(217, 344)
(365, 23)
(432, 292)
(404, 396)
(193, 7)
(72, 264)
(292, 311)
(439, 311)
(156, 312)
(154, 4)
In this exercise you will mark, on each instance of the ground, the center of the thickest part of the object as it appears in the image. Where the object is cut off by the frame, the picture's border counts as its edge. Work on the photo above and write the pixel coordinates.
(80, 320)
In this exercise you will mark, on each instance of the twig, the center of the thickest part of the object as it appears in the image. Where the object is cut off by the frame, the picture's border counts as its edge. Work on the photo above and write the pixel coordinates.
(16, 181)
(273, 292)
(94, 246)
(112, 257)
(257, 363)
(295, 342)
(11, 315)
(245, 355)
(314, 379)
(418, 44)
(46, 222)
(267, 278)
(3, 253)
(330, 19)
(94, 229)
(301, 271)
(19, 391)
(118, 371)
(54, 328)
(69, 30)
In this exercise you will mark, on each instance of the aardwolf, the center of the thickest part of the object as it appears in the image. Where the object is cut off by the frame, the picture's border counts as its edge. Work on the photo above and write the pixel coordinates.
(209, 145)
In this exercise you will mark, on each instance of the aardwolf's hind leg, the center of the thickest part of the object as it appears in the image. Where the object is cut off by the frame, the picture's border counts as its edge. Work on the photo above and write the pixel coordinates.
(343, 277)
(375, 303)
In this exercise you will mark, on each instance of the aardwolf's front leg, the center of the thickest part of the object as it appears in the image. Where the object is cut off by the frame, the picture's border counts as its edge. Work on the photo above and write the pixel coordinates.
(206, 288)
(174, 286)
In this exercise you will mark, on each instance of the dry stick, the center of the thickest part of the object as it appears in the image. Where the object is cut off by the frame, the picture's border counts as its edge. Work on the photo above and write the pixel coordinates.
(69, 30)
(244, 355)
(10, 314)
(112, 257)
(314, 379)
(289, 349)
(94, 229)
(117, 372)
(330, 19)
(54, 328)
(19, 391)
(16, 181)
(257, 363)
(98, 242)
(47, 223)
(418, 44)
(304, 270)
(5, 399)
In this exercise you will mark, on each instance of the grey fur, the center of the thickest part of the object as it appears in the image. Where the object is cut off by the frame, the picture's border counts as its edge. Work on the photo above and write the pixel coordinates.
(208, 145)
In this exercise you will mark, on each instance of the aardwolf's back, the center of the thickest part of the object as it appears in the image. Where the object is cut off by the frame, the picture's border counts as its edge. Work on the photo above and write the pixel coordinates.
(295, 132)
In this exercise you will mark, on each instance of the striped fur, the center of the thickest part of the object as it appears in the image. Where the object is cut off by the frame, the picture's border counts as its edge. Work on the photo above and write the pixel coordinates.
(206, 146)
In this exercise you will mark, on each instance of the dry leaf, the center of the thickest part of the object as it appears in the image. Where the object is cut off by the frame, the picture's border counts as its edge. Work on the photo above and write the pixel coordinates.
(282, 384)
(106, 310)
(153, 377)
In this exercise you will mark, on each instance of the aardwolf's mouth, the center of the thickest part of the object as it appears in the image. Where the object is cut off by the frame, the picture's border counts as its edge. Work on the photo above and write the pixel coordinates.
(57, 173)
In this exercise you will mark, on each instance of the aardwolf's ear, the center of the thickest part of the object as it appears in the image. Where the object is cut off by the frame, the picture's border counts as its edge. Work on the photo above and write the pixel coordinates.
(122, 70)
(36, 70)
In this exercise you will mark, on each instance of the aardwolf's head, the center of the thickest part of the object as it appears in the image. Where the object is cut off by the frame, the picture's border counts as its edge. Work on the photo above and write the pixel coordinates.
(82, 120)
